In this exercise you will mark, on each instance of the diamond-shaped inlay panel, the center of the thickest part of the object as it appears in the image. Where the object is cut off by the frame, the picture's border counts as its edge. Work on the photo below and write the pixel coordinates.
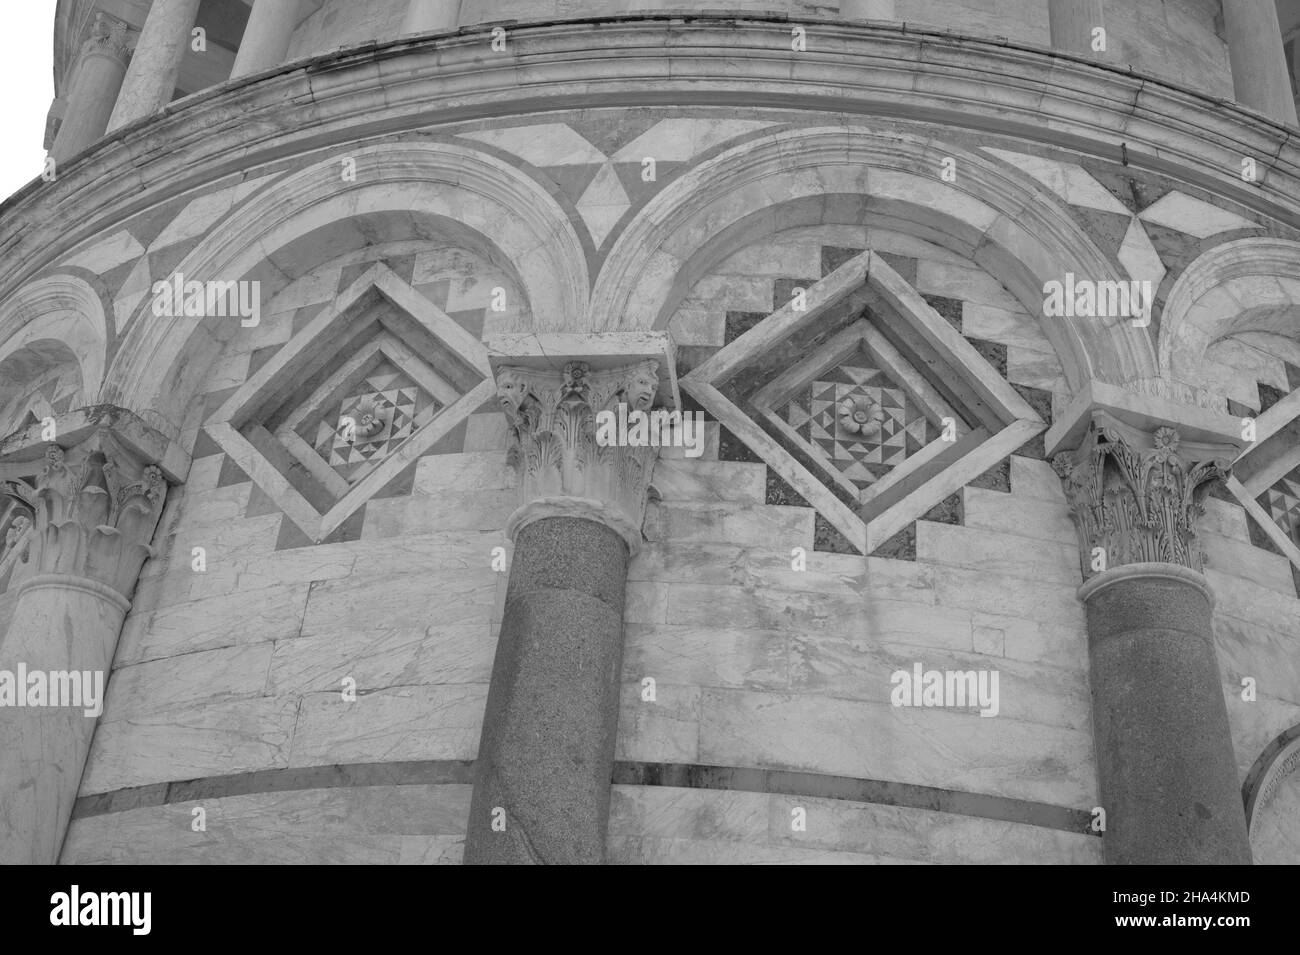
(1282, 502)
(352, 400)
(865, 400)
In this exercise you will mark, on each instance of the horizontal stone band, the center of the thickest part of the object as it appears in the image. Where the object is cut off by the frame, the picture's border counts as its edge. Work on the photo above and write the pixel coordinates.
(679, 775)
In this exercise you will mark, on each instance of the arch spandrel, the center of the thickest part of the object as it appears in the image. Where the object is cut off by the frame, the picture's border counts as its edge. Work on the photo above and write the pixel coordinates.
(509, 213)
(999, 218)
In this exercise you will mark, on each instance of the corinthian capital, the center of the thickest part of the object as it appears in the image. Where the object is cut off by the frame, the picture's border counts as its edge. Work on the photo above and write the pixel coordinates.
(97, 506)
(110, 35)
(1135, 496)
(563, 470)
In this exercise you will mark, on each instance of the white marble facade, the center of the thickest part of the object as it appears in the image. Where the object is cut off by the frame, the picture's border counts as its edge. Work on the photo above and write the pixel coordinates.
(790, 228)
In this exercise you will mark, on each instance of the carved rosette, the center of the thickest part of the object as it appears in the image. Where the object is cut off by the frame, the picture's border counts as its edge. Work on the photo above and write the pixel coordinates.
(95, 519)
(1138, 496)
(561, 468)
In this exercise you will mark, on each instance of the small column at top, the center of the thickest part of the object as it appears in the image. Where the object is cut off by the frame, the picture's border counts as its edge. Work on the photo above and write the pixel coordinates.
(95, 87)
(867, 9)
(151, 78)
(429, 16)
(266, 38)
(1259, 73)
(1072, 24)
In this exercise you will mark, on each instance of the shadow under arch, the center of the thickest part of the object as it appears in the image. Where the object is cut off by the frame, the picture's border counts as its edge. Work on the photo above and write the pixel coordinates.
(53, 320)
(163, 359)
(1250, 284)
(1003, 220)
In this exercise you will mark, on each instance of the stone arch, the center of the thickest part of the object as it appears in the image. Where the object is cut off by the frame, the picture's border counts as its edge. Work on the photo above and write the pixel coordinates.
(54, 321)
(1245, 285)
(162, 359)
(1273, 772)
(1005, 222)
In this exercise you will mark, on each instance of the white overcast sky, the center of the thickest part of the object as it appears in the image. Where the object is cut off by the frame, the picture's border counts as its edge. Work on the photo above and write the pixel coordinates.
(26, 89)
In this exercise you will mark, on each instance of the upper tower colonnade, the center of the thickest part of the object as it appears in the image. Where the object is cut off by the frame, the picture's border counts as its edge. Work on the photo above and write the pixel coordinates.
(119, 61)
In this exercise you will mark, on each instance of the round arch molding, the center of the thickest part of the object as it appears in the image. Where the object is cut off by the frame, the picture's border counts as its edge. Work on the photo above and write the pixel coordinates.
(64, 312)
(1275, 768)
(1003, 221)
(1239, 286)
(159, 364)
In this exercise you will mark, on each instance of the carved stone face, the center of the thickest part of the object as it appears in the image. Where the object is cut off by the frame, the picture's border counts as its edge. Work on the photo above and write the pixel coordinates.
(17, 529)
(512, 389)
(575, 377)
(641, 388)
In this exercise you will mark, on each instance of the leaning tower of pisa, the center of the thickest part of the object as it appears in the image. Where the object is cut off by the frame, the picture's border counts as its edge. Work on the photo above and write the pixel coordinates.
(607, 431)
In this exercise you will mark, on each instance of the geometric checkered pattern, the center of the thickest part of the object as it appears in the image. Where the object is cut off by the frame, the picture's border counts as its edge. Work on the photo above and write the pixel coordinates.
(52, 397)
(860, 420)
(398, 400)
(1282, 501)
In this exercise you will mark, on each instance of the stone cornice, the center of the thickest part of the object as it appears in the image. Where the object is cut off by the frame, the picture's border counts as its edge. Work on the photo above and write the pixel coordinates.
(853, 70)
(21, 452)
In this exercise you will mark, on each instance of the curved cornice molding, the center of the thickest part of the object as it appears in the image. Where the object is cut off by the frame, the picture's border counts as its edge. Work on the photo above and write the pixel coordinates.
(855, 70)
(1002, 220)
(1244, 285)
(510, 211)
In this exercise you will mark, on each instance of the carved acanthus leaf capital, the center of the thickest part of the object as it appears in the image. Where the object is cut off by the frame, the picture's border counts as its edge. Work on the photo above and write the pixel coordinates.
(110, 35)
(561, 467)
(1135, 497)
(96, 509)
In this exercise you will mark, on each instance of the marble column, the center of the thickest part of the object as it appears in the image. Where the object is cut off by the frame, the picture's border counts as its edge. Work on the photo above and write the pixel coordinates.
(867, 9)
(428, 16)
(266, 38)
(1259, 73)
(151, 78)
(96, 509)
(95, 87)
(541, 783)
(1071, 23)
(1166, 769)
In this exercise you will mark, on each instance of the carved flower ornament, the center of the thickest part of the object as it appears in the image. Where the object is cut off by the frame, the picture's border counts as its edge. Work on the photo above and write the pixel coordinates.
(369, 417)
(860, 415)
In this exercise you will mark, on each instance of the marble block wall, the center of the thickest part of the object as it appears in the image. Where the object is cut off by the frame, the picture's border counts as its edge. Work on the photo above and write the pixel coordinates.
(239, 671)
(226, 693)
(759, 665)
(771, 689)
